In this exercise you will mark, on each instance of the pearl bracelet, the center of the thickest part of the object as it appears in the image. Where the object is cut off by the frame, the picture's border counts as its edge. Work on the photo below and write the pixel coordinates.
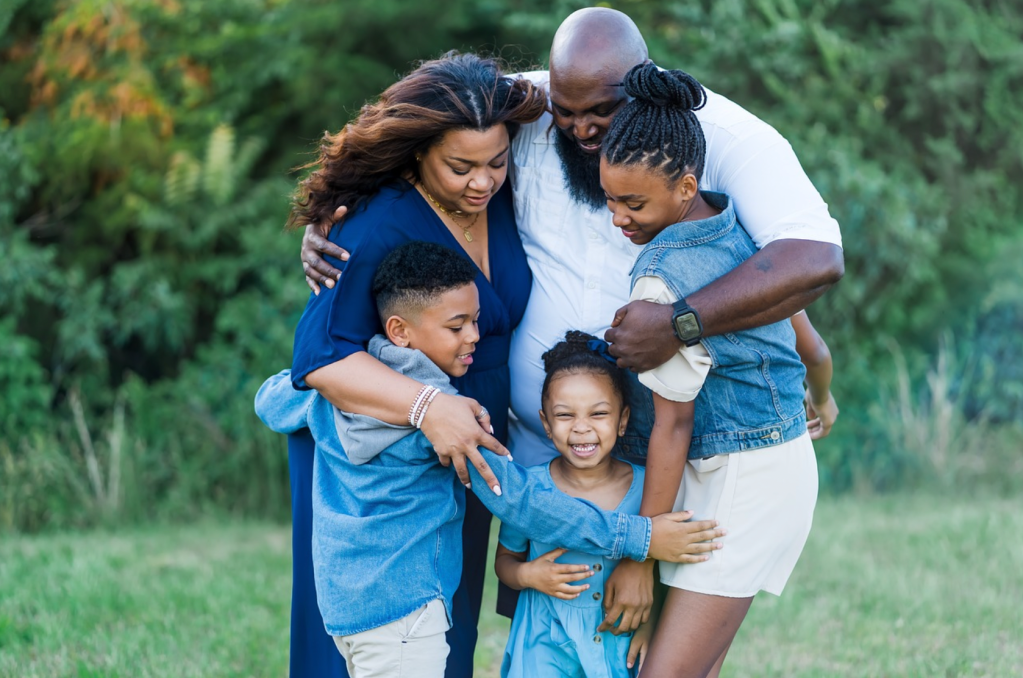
(426, 406)
(416, 404)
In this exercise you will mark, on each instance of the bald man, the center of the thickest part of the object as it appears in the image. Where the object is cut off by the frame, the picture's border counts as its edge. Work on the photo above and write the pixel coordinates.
(581, 263)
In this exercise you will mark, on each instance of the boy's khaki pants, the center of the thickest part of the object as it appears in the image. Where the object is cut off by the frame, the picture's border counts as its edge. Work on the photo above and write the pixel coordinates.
(413, 646)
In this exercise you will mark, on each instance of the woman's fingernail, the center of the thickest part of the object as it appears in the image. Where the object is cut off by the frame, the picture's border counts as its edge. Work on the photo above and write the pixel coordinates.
(468, 486)
(510, 458)
(497, 490)
(329, 283)
(491, 429)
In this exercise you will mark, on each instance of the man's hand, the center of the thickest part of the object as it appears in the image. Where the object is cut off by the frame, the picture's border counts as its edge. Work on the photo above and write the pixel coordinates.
(676, 540)
(820, 417)
(629, 594)
(456, 427)
(641, 336)
(314, 243)
(555, 579)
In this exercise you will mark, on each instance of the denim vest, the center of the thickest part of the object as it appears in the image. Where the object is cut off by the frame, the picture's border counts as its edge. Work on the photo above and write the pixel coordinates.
(753, 396)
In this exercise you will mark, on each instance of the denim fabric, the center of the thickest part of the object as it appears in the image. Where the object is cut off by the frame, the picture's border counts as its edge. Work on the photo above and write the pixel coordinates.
(753, 396)
(395, 521)
(554, 637)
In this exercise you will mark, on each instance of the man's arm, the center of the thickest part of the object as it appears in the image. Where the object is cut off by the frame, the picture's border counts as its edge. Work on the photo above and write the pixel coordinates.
(774, 284)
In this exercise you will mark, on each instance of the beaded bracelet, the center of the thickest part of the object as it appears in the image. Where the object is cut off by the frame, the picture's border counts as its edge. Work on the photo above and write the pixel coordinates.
(426, 406)
(417, 415)
(413, 411)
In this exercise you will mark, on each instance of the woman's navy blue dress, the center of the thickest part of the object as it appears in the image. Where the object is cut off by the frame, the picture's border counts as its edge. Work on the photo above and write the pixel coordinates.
(340, 322)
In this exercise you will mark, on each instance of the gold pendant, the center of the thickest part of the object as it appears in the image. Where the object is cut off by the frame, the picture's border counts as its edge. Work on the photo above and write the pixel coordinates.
(468, 235)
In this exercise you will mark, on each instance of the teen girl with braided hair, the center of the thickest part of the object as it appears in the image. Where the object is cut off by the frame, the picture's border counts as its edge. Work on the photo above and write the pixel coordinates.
(729, 439)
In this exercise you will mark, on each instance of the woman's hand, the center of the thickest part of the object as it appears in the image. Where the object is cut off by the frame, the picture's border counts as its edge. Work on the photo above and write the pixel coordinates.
(641, 336)
(314, 243)
(456, 426)
(629, 594)
(554, 579)
(640, 645)
(820, 417)
(676, 540)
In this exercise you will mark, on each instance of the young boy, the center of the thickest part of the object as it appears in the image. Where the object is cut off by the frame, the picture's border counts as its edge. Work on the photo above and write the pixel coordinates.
(387, 515)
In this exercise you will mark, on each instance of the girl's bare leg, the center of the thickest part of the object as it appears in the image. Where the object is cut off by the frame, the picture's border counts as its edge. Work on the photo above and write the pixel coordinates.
(693, 634)
(716, 670)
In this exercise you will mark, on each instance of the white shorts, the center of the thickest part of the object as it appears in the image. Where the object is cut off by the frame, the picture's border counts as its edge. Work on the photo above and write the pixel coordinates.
(411, 646)
(765, 499)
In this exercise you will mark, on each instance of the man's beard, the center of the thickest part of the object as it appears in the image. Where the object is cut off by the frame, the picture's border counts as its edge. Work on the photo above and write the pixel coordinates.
(581, 171)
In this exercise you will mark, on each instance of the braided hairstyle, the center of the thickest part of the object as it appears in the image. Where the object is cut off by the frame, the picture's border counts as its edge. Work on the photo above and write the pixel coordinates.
(658, 128)
(582, 353)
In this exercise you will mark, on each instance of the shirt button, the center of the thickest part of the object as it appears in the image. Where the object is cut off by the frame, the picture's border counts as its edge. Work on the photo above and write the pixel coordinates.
(597, 567)
(596, 596)
(593, 236)
(592, 285)
(597, 640)
(775, 435)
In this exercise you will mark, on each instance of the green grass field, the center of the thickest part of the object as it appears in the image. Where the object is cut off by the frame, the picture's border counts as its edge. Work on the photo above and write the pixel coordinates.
(888, 586)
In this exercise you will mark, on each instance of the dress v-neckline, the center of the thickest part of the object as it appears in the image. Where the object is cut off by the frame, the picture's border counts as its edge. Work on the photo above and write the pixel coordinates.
(424, 205)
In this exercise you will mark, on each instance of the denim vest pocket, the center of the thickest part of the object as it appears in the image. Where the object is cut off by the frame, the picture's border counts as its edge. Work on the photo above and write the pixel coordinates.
(709, 464)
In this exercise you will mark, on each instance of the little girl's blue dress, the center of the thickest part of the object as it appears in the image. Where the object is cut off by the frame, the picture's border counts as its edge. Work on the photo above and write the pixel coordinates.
(554, 637)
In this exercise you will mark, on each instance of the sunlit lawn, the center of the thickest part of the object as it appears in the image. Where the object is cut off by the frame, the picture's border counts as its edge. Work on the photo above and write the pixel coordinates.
(892, 586)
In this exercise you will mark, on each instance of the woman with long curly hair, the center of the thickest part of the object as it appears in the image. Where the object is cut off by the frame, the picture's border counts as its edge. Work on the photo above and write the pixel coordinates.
(427, 161)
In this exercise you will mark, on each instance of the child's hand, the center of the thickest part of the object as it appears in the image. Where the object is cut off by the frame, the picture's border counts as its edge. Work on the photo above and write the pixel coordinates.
(629, 594)
(555, 579)
(820, 417)
(640, 644)
(676, 540)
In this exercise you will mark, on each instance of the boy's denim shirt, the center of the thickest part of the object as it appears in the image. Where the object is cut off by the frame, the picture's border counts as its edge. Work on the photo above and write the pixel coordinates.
(387, 530)
(753, 395)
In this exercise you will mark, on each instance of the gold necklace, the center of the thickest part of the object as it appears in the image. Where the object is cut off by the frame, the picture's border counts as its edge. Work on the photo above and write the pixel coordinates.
(454, 214)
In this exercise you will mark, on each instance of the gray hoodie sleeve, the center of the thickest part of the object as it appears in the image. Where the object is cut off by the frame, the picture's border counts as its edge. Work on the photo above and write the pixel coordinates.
(364, 437)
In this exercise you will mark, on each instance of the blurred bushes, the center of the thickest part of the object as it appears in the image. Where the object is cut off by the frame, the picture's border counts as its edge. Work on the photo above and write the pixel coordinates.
(145, 150)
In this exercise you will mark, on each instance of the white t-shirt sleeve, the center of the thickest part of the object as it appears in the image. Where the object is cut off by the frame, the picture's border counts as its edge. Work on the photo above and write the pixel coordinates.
(681, 378)
(754, 164)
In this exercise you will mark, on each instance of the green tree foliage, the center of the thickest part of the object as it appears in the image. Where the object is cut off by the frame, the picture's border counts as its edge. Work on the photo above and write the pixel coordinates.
(145, 149)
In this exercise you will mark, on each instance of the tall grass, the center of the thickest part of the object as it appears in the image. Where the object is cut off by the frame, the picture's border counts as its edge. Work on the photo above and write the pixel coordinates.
(927, 422)
(140, 463)
(192, 447)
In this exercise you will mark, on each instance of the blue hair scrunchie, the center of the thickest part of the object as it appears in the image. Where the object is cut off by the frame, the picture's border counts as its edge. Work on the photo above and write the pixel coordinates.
(600, 347)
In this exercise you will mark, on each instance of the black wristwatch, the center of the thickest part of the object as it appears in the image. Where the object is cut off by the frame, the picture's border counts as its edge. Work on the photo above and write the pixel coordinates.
(686, 323)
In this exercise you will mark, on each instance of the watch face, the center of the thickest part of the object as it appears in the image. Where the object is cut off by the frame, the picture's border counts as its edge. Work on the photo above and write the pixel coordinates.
(687, 326)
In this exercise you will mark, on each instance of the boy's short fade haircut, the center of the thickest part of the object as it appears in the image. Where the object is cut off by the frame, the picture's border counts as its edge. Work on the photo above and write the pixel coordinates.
(412, 276)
